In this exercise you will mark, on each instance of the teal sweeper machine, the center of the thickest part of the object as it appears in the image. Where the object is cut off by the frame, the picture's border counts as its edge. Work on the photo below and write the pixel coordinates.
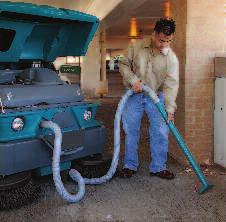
(42, 119)
(31, 37)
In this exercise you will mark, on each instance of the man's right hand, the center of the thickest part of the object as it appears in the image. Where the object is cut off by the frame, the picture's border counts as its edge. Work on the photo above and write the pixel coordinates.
(136, 87)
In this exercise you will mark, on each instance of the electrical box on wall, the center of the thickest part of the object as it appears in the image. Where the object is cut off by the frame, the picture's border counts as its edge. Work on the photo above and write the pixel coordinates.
(220, 122)
(220, 111)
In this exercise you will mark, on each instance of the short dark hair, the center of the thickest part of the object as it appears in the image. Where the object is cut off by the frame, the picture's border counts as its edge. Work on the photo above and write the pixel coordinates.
(165, 26)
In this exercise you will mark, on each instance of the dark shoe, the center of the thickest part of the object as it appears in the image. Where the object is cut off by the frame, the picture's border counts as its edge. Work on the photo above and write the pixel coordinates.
(126, 173)
(164, 174)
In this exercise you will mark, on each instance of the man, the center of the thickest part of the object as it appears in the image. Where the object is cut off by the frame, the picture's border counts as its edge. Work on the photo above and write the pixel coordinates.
(154, 64)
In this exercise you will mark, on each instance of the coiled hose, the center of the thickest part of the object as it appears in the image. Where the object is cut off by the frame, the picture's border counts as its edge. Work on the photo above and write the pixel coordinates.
(76, 176)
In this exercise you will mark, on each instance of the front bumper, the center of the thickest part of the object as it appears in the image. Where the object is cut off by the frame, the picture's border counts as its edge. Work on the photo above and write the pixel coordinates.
(29, 154)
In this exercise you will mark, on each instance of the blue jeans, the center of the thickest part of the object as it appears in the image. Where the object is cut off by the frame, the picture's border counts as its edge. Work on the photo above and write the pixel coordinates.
(158, 131)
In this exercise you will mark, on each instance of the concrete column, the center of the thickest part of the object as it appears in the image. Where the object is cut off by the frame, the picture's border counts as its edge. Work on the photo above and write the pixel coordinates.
(90, 68)
(103, 55)
(93, 76)
(103, 84)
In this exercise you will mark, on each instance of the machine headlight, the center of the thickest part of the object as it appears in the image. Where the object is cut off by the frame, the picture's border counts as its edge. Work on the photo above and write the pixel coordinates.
(18, 124)
(87, 115)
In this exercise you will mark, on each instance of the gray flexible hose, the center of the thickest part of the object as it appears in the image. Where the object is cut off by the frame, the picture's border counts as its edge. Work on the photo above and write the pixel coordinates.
(150, 93)
(75, 175)
(114, 162)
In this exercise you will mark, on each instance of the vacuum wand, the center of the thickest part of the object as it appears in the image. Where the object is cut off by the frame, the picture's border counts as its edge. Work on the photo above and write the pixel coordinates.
(184, 148)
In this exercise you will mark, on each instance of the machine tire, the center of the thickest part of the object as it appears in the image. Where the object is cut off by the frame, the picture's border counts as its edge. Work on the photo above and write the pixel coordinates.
(92, 166)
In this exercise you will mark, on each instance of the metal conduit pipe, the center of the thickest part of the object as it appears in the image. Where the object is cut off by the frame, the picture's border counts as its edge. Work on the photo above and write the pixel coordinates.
(76, 176)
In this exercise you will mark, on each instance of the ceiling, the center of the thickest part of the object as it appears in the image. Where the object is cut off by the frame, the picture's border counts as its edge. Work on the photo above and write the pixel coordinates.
(93, 7)
(146, 13)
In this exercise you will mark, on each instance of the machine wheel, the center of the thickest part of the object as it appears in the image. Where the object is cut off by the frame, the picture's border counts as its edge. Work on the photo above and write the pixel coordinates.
(93, 166)
(17, 190)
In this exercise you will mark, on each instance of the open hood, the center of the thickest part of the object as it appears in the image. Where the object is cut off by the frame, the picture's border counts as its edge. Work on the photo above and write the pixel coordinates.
(40, 32)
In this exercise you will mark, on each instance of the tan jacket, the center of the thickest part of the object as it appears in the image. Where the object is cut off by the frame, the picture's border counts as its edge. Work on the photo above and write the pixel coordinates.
(157, 70)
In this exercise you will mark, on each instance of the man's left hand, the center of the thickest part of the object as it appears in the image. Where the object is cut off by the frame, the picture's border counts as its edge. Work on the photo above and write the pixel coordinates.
(171, 117)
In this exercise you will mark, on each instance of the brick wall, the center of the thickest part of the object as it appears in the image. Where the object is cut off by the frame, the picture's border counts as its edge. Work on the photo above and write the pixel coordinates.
(179, 14)
(205, 37)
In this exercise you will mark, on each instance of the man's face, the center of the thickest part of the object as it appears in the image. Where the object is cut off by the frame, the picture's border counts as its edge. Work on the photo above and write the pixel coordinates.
(161, 40)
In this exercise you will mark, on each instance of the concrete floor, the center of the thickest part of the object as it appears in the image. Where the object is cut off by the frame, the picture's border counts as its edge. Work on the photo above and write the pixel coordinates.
(141, 198)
